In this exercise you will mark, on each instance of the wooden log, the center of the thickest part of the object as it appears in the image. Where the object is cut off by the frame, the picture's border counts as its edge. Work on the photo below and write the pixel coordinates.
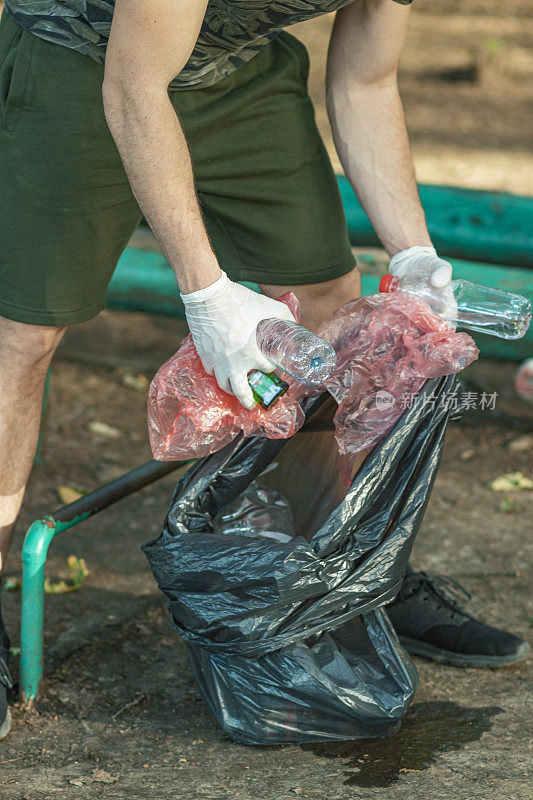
(493, 227)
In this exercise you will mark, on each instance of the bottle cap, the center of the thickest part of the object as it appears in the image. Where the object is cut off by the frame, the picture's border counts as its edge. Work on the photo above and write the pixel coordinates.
(388, 283)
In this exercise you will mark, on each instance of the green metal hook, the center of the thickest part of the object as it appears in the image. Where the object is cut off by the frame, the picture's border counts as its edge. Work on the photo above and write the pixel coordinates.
(35, 550)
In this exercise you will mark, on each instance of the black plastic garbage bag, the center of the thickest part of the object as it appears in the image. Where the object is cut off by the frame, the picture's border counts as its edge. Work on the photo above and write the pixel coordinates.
(288, 640)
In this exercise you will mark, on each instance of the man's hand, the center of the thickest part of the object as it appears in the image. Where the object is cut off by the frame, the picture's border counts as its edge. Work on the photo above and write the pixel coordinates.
(422, 259)
(426, 263)
(223, 319)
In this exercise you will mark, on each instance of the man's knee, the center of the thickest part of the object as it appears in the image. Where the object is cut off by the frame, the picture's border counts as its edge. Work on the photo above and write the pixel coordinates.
(343, 289)
(318, 301)
(336, 291)
(24, 346)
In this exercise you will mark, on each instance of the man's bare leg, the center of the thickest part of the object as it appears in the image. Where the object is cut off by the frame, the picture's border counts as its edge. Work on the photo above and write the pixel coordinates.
(318, 301)
(25, 355)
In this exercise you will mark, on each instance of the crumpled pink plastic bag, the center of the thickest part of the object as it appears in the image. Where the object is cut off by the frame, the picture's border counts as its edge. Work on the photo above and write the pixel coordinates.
(190, 416)
(386, 345)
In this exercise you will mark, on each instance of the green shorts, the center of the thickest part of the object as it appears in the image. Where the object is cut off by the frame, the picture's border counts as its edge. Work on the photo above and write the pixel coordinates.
(265, 183)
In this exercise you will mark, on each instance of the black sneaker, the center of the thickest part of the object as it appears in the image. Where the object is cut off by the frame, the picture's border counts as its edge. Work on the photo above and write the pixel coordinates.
(5, 681)
(430, 623)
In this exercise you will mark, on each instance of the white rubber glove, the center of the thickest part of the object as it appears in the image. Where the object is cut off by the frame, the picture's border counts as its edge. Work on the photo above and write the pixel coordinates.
(422, 259)
(438, 271)
(223, 319)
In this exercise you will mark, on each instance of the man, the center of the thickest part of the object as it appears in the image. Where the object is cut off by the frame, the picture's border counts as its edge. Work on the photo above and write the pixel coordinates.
(196, 114)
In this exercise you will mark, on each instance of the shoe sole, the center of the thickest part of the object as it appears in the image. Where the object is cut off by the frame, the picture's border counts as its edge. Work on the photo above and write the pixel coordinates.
(442, 656)
(6, 725)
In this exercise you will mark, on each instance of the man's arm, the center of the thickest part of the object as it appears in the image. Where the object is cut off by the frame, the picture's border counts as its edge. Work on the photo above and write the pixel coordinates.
(149, 44)
(367, 119)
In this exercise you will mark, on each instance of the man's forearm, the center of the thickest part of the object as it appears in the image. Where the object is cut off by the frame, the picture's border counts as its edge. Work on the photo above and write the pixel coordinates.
(153, 149)
(371, 138)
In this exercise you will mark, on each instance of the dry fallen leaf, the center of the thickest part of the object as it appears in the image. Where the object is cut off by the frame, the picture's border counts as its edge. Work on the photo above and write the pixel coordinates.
(101, 776)
(511, 482)
(104, 430)
(138, 382)
(522, 443)
(67, 494)
(466, 455)
(11, 584)
(507, 505)
(78, 575)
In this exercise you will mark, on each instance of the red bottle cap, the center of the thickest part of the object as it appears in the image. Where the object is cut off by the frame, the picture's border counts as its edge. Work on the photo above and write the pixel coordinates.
(388, 283)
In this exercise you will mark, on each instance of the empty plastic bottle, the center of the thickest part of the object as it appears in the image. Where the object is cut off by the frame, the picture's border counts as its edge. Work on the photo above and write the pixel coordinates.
(296, 351)
(478, 308)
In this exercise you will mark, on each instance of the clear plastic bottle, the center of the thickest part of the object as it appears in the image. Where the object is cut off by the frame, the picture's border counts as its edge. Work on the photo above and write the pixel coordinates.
(479, 308)
(296, 351)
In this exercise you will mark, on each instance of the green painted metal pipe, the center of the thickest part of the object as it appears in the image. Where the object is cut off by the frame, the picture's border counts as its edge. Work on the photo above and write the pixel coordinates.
(34, 552)
(480, 226)
(143, 281)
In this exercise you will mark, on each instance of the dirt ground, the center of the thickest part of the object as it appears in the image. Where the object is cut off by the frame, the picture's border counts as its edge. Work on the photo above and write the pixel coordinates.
(119, 715)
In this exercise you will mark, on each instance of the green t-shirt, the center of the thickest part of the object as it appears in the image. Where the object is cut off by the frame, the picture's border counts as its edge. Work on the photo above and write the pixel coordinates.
(233, 31)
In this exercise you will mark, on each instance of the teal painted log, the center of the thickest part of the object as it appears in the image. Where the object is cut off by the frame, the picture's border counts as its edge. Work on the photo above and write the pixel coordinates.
(479, 226)
(143, 281)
